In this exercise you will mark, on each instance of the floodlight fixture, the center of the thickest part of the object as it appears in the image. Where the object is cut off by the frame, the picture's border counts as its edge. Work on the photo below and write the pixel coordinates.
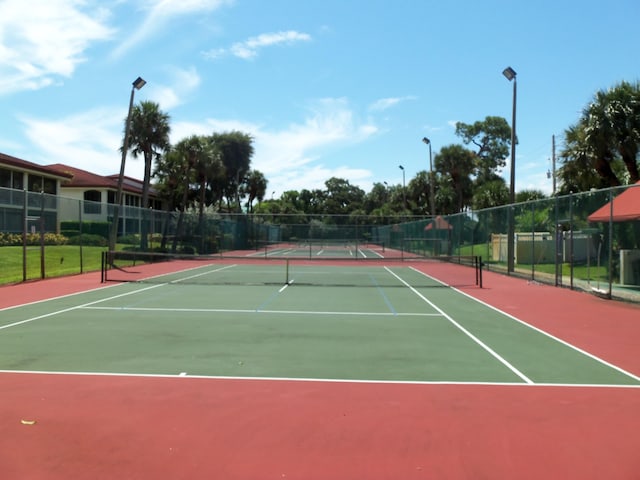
(138, 83)
(431, 180)
(510, 73)
(404, 188)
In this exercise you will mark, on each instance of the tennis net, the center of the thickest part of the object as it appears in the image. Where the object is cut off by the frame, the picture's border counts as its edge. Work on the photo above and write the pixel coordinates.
(242, 270)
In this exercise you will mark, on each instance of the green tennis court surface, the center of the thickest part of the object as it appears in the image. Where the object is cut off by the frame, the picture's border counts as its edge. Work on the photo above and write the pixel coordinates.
(365, 322)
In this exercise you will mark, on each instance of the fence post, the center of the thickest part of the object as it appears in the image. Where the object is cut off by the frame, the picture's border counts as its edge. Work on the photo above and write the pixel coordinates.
(533, 241)
(571, 251)
(80, 208)
(42, 267)
(610, 243)
(25, 212)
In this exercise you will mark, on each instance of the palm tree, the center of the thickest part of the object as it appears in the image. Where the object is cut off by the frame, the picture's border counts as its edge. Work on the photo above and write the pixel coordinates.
(173, 177)
(611, 125)
(255, 188)
(598, 136)
(149, 137)
(578, 172)
(236, 150)
(190, 153)
(624, 117)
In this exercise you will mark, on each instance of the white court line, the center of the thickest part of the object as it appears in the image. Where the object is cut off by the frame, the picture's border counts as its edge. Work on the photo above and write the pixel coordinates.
(85, 305)
(552, 337)
(465, 331)
(35, 302)
(547, 334)
(280, 312)
(183, 375)
(215, 270)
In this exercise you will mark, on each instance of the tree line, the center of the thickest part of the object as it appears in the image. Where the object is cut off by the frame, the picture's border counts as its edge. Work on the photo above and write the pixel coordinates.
(214, 171)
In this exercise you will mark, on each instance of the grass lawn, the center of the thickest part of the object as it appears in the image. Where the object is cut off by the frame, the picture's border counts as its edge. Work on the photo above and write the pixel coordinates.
(59, 260)
(580, 272)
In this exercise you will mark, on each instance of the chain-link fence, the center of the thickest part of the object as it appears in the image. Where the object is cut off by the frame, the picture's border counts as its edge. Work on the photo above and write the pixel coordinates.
(589, 240)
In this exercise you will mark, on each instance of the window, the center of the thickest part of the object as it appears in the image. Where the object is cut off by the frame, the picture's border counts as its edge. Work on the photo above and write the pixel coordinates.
(5, 178)
(49, 186)
(17, 181)
(35, 183)
(92, 199)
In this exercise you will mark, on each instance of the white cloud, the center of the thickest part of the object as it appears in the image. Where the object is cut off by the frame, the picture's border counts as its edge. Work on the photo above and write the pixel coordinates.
(43, 40)
(183, 82)
(167, 8)
(249, 48)
(88, 140)
(290, 158)
(161, 12)
(386, 103)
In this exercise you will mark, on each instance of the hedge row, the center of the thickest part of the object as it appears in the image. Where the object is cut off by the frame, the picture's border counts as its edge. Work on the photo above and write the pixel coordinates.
(89, 228)
(15, 239)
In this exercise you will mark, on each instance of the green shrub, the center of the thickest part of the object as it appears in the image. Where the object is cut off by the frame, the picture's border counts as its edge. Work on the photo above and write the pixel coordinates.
(131, 239)
(15, 239)
(91, 228)
(88, 240)
(188, 249)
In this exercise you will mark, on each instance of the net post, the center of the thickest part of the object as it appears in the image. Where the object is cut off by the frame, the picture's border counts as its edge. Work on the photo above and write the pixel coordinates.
(102, 267)
(286, 280)
(475, 267)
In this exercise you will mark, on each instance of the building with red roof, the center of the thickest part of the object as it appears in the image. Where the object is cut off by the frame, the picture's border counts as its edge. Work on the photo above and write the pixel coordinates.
(80, 194)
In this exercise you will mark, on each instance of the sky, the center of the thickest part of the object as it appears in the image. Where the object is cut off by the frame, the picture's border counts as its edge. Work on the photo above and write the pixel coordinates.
(326, 88)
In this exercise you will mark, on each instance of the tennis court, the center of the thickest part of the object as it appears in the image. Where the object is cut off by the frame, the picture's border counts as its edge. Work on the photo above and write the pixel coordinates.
(277, 365)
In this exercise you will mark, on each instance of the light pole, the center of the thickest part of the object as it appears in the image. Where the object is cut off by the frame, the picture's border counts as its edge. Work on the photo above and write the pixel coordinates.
(138, 83)
(404, 188)
(510, 74)
(432, 197)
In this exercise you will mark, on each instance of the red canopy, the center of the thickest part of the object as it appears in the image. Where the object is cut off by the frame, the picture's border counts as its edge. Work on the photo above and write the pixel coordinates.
(439, 223)
(626, 207)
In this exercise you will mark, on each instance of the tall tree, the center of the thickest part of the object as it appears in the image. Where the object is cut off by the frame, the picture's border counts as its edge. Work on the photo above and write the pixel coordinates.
(601, 148)
(255, 188)
(419, 194)
(577, 172)
(490, 194)
(341, 197)
(236, 150)
(149, 136)
(611, 125)
(206, 164)
(492, 137)
(168, 174)
(455, 164)
(185, 155)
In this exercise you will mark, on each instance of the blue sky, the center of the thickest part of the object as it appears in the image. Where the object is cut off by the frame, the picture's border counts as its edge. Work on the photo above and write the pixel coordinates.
(343, 88)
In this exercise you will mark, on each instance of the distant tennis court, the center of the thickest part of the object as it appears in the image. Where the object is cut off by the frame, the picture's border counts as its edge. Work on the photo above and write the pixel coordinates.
(265, 348)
